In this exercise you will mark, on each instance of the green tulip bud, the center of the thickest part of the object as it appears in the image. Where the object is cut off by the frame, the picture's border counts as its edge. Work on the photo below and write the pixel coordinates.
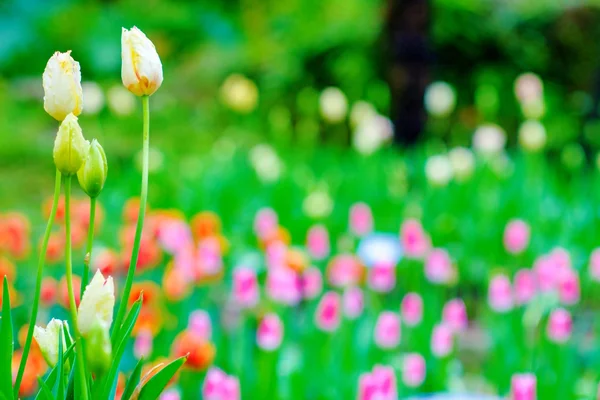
(98, 348)
(70, 148)
(92, 173)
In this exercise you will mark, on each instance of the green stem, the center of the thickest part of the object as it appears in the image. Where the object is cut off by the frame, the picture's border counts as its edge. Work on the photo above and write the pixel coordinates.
(140, 222)
(38, 284)
(72, 304)
(85, 277)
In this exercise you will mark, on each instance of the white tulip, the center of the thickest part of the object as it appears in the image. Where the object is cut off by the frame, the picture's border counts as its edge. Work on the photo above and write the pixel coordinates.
(47, 339)
(62, 86)
(333, 105)
(141, 69)
(97, 304)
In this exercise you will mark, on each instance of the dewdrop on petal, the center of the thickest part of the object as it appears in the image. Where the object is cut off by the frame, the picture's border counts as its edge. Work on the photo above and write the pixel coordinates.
(47, 339)
(333, 105)
(141, 69)
(92, 173)
(97, 304)
(62, 86)
(532, 136)
(70, 148)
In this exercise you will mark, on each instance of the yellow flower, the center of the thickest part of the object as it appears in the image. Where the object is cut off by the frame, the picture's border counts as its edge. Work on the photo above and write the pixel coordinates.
(62, 86)
(97, 304)
(141, 69)
(70, 148)
(47, 339)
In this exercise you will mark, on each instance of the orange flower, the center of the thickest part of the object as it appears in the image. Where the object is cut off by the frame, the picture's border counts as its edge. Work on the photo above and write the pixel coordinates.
(60, 209)
(34, 368)
(56, 248)
(81, 214)
(107, 261)
(201, 352)
(131, 210)
(120, 386)
(278, 235)
(175, 285)
(12, 293)
(49, 291)
(7, 268)
(14, 235)
(64, 293)
(151, 293)
(150, 252)
(149, 319)
(205, 224)
(296, 260)
(78, 235)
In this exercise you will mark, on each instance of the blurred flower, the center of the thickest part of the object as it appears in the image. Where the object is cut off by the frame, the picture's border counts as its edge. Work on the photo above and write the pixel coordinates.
(97, 304)
(372, 133)
(411, 309)
(239, 93)
(63, 293)
(266, 163)
(70, 148)
(266, 223)
(176, 284)
(361, 111)
(14, 235)
(462, 161)
(205, 224)
(283, 286)
(532, 136)
(344, 270)
(270, 332)
(489, 139)
(380, 250)
(454, 315)
(333, 105)
(328, 312)
(220, 386)
(353, 302)
(545, 271)
(141, 69)
(170, 394)
(49, 291)
(523, 387)
(35, 367)
(174, 235)
(312, 283)
(200, 324)
(245, 287)
(361, 219)
(516, 236)
(47, 338)
(594, 265)
(442, 340)
(317, 242)
(120, 101)
(525, 286)
(318, 204)
(529, 90)
(382, 277)
(415, 241)
(500, 295)
(413, 370)
(440, 99)
(62, 86)
(380, 384)
(142, 346)
(94, 98)
(438, 170)
(439, 268)
(569, 290)
(387, 330)
(199, 350)
(560, 326)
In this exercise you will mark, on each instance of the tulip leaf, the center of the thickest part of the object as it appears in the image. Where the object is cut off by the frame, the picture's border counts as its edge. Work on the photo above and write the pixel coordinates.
(6, 344)
(133, 381)
(45, 393)
(59, 389)
(156, 384)
(71, 383)
(50, 380)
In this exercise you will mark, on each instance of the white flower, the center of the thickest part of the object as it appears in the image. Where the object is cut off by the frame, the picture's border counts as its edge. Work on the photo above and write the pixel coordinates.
(361, 111)
(317, 204)
(371, 133)
(440, 99)
(120, 100)
(528, 87)
(47, 339)
(438, 170)
(97, 303)
(462, 161)
(94, 98)
(489, 139)
(141, 69)
(333, 105)
(266, 163)
(239, 93)
(532, 135)
(62, 86)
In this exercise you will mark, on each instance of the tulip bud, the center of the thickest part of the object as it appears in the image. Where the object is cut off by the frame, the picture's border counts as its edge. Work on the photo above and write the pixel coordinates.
(97, 303)
(141, 69)
(92, 173)
(98, 348)
(47, 339)
(62, 86)
(70, 148)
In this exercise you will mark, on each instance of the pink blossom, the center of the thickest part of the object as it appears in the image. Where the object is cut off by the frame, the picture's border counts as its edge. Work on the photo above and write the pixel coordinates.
(560, 326)
(220, 386)
(378, 385)
(382, 278)
(455, 315)
(142, 347)
(500, 296)
(283, 286)
(344, 270)
(412, 309)
(415, 241)
(275, 254)
(174, 235)
(245, 287)
(546, 273)
(594, 268)
(328, 313)
(353, 302)
(270, 332)
(525, 286)
(516, 236)
(317, 242)
(442, 340)
(438, 267)
(170, 394)
(200, 324)
(361, 219)
(413, 370)
(209, 256)
(387, 330)
(312, 283)
(265, 223)
(523, 387)
(568, 286)
(561, 258)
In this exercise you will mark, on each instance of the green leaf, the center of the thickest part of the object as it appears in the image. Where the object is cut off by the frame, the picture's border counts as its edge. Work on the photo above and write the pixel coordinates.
(6, 344)
(45, 393)
(158, 383)
(50, 380)
(71, 383)
(133, 381)
(59, 389)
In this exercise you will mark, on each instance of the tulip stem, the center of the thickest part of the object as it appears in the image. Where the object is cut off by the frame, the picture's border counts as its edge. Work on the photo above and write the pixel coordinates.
(38, 283)
(88, 250)
(140, 222)
(72, 305)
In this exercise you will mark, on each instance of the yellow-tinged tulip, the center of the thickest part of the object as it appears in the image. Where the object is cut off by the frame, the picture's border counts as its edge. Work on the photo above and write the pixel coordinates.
(97, 304)
(70, 148)
(47, 339)
(62, 86)
(92, 173)
(141, 69)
